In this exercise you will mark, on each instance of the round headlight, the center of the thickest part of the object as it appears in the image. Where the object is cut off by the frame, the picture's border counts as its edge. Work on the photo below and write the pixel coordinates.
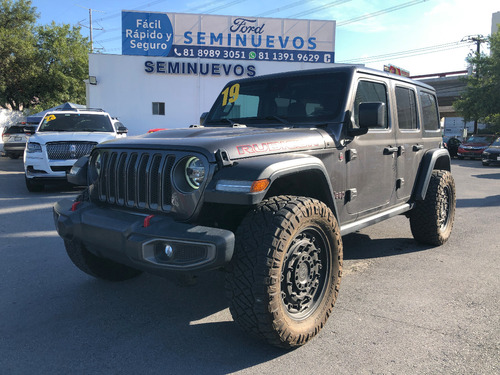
(194, 171)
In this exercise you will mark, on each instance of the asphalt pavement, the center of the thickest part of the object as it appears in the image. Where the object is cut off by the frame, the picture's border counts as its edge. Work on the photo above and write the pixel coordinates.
(403, 308)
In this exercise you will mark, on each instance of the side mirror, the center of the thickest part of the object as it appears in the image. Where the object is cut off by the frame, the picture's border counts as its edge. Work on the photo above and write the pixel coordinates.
(121, 129)
(203, 117)
(78, 173)
(372, 115)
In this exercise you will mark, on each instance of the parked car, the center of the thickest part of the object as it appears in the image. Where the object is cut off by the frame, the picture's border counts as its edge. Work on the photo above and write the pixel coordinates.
(492, 154)
(14, 141)
(61, 138)
(452, 145)
(474, 146)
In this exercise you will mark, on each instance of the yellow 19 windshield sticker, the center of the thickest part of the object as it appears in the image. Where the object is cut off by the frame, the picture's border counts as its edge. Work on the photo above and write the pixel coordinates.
(50, 118)
(230, 94)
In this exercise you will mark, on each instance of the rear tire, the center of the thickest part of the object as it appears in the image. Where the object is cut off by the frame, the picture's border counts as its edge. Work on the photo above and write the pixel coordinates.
(96, 266)
(285, 275)
(431, 220)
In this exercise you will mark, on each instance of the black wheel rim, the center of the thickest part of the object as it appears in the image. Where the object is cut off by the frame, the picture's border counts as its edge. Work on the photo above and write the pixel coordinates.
(304, 274)
(444, 208)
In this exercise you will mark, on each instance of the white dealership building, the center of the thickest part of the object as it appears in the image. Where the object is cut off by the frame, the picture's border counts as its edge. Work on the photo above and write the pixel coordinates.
(173, 66)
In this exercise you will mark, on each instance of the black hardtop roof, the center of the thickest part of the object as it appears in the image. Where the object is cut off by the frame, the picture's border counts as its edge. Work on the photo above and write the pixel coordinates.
(351, 69)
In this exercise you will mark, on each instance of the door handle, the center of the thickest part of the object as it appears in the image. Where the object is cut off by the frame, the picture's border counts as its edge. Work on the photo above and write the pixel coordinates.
(390, 150)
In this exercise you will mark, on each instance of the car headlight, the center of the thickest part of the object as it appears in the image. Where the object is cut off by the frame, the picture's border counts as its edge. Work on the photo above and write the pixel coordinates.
(33, 147)
(189, 174)
(194, 171)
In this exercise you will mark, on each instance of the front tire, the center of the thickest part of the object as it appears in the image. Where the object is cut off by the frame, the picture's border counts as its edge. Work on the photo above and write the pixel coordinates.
(96, 266)
(285, 275)
(33, 187)
(431, 220)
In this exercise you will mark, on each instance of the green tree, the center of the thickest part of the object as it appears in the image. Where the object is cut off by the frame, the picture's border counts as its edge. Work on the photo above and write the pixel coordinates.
(17, 52)
(62, 55)
(41, 66)
(481, 98)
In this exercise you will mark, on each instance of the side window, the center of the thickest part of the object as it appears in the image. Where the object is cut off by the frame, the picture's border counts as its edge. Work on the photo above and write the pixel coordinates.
(430, 116)
(406, 103)
(370, 92)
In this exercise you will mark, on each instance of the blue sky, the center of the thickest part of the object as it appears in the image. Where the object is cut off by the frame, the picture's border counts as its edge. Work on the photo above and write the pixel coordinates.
(420, 26)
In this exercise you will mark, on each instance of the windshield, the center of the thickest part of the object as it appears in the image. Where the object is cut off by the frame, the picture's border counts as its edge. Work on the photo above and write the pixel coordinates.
(287, 100)
(480, 139)
(496, 143)
(74, 122)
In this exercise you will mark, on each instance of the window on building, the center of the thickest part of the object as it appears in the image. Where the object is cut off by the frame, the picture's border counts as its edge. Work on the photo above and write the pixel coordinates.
(406, 103)
(159, 108)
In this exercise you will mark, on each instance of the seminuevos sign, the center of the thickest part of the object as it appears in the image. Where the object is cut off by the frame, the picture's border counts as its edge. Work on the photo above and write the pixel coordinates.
(227, 37)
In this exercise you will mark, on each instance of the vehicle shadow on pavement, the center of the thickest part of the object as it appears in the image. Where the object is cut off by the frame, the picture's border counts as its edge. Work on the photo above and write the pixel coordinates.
(493, 176)
(163, 327)
(362, 246)
(491, 201)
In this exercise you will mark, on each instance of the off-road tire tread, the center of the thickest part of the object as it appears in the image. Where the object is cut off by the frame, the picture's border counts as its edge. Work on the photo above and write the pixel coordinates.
(424, 216)
(248, 285)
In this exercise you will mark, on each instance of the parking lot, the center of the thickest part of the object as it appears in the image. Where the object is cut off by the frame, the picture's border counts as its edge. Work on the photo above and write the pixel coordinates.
(403, 308)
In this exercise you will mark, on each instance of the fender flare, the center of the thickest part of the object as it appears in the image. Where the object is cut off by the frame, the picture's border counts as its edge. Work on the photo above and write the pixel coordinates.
(259, 168)
(436, 158)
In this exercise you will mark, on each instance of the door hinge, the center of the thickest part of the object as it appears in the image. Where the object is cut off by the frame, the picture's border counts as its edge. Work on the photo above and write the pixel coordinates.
(351, 194)
(399, 183)
(351, 154)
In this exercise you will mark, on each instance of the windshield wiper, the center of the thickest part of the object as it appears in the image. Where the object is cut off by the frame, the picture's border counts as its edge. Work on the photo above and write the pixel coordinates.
(282, 120)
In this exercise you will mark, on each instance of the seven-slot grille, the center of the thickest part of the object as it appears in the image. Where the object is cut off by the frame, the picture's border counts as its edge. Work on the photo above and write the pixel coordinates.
(69, 150)
(139, 179)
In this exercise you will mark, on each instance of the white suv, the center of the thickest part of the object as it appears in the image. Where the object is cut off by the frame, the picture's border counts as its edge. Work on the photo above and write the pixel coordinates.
(61, 138)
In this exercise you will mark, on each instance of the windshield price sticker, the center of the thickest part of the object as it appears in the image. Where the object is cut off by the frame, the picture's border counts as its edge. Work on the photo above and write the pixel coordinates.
(230, 94)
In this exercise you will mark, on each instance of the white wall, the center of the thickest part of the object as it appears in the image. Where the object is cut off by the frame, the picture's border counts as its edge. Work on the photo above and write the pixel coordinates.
(126, 90)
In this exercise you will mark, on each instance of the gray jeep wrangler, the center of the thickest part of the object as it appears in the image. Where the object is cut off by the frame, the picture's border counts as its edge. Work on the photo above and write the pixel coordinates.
(283, 166)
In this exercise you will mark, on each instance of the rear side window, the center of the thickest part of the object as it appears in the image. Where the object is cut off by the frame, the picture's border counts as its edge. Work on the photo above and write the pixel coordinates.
(406, 103)
(368, 92)
(15, 129)
(430, 115)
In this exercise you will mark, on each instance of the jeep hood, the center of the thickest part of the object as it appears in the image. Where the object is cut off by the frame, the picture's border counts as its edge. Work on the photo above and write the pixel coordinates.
(45, 137)
(236, 142)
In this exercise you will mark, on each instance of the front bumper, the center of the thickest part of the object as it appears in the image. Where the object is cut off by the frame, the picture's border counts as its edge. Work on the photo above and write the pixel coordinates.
(14, 147)
(122, 237)
(476, 154)
(491, 158)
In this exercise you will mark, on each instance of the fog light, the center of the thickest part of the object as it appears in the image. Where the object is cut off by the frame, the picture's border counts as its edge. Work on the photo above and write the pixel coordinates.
(169, 251)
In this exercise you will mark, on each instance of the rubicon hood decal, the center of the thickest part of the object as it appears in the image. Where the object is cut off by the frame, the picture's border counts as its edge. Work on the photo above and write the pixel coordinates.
(276, 146)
